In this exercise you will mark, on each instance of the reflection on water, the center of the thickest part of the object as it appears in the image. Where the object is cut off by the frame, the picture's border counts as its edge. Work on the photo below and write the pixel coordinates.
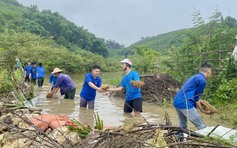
(86, 116)
(110, 110)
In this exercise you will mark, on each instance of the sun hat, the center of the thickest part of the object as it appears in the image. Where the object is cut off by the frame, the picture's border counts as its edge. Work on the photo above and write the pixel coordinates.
(56, 70)
(128, 61)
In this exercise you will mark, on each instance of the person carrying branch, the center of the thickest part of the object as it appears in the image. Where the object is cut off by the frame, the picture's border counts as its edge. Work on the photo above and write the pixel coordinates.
(187, 98)
(133, 98)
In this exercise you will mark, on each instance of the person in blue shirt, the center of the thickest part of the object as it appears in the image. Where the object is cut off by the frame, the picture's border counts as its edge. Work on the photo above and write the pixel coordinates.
(52, 82)
(41, 75)
(187, 99)
(133, 95)
(92, 83)
(27, 72)
(33, 73)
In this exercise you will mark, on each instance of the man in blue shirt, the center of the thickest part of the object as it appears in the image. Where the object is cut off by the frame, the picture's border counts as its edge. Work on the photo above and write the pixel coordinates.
(92, 83)
(41, 75)
(65, 83)
(133, 94)
(187, 98)
(33, 73)
(27, 72)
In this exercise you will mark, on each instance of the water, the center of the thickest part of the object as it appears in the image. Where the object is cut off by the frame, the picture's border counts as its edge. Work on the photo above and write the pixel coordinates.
(110, 109)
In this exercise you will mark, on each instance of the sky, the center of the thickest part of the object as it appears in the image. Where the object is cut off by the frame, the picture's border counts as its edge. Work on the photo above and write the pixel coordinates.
(127, 21)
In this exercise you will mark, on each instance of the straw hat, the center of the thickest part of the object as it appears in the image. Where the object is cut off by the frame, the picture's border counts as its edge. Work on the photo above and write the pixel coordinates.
(56, 70)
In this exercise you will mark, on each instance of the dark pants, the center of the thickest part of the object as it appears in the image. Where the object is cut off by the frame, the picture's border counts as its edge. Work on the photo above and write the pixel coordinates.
(33, 81)
(27, 79)
(135, 104)
(70, 94)
(40, 81)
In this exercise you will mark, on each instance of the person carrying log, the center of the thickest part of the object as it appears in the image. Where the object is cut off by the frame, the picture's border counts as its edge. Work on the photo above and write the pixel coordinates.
(187, 98)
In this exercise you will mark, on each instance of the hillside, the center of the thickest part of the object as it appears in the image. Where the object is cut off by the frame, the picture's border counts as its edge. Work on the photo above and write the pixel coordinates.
(49, 24)
(176, 38)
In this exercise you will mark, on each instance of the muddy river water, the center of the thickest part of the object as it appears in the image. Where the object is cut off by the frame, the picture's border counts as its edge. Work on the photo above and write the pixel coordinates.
(110, 109)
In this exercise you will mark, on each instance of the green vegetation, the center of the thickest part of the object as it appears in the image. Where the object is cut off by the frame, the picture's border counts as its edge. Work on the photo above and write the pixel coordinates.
(81, 129)
(184, 50)
(98, 123)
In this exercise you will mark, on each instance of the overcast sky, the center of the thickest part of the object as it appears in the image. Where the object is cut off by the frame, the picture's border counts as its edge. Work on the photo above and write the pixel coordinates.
(126, 21)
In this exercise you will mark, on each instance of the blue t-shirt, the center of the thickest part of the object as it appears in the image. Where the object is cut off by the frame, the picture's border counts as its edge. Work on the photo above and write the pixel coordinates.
(131, 91)
(28, 69)
(65, 83)
(191, 90)
(34, 72)
(41, 72)
(52, 79)
(88, 92)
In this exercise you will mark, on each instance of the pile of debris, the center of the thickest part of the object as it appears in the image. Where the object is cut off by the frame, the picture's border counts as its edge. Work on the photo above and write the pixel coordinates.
(157, 88)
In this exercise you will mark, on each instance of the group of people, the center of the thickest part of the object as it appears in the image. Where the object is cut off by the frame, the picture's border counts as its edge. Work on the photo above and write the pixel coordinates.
(32, 72)
(185, 102)
(93, 83)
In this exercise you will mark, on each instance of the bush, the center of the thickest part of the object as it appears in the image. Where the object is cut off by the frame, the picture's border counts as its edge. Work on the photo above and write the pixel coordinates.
(226, 92)
(6, 82)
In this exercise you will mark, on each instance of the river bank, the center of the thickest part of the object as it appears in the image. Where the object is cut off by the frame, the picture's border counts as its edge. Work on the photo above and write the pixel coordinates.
(17, 131)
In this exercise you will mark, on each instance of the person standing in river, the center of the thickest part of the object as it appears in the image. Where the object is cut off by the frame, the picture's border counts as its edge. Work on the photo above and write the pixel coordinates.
(33, 73)
(187, 98)
(27, 71)
(65, 83)
(133, 98)
(41, 75)
(92, 83)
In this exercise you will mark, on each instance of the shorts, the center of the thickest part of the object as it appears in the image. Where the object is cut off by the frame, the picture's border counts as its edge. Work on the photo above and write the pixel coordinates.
(135, 105)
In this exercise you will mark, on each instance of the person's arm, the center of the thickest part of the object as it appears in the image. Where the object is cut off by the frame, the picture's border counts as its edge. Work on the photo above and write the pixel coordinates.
(95, 87)
(201, 84)
(118, 89)
(55, 89)
(49, 86)
(50, 83)
(200, 108)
